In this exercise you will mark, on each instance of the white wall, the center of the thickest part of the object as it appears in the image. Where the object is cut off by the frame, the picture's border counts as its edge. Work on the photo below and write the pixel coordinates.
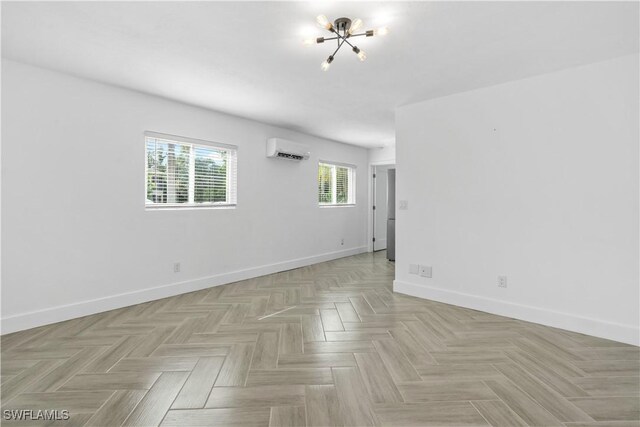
(537, 180)
(76, 238)
(384, 155)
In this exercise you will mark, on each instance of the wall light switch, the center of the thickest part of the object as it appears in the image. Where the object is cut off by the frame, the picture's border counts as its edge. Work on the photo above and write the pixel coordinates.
(404, 205)
(414, 269)
(425, 271)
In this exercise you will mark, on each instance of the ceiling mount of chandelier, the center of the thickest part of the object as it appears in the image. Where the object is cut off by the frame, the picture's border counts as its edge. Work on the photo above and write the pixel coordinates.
(343, 30)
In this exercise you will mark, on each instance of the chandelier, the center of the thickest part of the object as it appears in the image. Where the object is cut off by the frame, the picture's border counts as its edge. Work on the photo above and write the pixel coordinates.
(343, 29)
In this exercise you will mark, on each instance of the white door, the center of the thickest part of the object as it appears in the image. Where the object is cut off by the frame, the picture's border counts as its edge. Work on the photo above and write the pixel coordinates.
(380, 212)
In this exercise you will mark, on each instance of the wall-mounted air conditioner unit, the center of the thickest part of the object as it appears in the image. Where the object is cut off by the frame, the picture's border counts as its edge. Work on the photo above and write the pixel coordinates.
(284, 149)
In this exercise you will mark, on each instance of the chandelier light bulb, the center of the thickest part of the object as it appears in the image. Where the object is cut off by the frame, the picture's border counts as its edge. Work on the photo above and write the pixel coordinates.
(308, 42)
(382, 31)
(323, 22)
(355, 26)
(361, 55)
(327, 63)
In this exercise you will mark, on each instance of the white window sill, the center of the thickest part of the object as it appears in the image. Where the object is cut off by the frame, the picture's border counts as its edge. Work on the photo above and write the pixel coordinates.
(343, 205)
(185, 207)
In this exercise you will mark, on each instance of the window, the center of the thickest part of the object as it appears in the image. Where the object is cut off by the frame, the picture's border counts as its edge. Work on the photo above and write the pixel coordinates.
(336, 184)
(183, 172)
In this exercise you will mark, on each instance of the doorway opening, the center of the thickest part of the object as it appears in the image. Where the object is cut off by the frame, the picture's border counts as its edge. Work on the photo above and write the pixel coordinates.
(383, 209)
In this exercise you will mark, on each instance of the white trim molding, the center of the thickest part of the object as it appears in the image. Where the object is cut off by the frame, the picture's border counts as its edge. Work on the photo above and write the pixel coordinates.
(371, 199)
(629, 334)
(32, 319)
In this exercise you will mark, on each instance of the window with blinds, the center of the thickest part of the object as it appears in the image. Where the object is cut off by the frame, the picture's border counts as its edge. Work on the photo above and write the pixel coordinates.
(336, 184)
(183, 172)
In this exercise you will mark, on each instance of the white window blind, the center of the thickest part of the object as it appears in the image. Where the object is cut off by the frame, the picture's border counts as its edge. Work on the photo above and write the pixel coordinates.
(183, 172)
(336, 184)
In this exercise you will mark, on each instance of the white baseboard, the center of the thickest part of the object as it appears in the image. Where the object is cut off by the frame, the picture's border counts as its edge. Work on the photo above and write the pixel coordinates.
(629, 334)
(47, 316)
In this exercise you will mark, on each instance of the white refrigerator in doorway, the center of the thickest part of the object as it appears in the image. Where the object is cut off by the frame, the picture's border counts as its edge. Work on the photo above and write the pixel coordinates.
(391, 214)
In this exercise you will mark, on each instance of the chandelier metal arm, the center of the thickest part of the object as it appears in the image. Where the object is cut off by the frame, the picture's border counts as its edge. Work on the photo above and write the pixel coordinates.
(341, 40)
(338, 48)
(324, 39)
(344, 39)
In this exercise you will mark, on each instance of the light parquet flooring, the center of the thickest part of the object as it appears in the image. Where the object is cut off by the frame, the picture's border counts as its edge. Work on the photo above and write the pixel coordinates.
(325, 345)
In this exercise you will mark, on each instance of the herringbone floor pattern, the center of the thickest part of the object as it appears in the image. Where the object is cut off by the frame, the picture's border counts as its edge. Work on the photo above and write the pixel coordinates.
(324, 345)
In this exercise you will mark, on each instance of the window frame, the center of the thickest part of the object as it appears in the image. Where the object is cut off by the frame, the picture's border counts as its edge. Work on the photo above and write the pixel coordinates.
(351, 180)
(231, 177)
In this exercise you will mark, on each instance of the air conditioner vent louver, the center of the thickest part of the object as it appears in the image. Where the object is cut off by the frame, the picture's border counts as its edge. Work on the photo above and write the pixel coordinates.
(290, 156)
(282, 149)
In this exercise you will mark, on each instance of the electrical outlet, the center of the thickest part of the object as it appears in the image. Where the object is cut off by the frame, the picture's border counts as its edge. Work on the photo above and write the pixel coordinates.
(425, 270)
(404, 205)
(502, 281)
(414, 269)
(341, 242)
(176, 267)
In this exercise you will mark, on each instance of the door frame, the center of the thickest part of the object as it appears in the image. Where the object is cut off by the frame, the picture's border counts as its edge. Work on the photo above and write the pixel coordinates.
(371, 199)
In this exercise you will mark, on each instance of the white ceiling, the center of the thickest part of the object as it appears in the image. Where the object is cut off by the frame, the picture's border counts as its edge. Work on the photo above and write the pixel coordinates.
(246, 58)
